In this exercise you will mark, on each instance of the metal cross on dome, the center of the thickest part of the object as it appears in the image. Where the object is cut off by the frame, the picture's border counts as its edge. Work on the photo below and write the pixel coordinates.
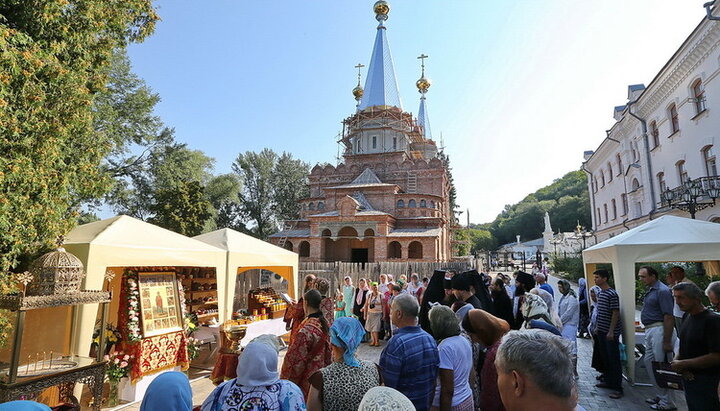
(359, 67)
(422, 58)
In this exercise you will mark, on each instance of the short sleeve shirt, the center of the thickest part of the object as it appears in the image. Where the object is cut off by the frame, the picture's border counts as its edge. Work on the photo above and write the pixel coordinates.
(700, 335)
(454, 354)
(658, 302)
(608, 301)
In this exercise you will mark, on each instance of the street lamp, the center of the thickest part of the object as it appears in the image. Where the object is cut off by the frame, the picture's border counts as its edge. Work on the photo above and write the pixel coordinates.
(583, 234)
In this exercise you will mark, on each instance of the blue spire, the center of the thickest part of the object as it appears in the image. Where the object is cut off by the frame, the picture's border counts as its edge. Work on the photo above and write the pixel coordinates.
(423, 120)
(381, 88)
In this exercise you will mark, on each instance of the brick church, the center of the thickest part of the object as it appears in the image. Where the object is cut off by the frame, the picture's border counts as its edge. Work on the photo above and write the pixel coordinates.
(389, 200)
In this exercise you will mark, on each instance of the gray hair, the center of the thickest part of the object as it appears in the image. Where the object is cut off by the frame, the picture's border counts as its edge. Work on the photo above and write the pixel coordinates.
(407, 304)
(443, 322)
(713, 287)
(541, 356)
(691, 290)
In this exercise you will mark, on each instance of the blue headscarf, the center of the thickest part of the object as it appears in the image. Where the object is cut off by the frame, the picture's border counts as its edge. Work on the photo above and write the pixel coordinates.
(170, 391)
(347, 333)
(23, 406)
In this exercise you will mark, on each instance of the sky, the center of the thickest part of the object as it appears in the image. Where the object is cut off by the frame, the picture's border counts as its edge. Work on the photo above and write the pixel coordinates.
(520, 88)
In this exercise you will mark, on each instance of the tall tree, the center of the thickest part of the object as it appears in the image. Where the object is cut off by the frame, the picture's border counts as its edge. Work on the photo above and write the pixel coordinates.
(54, 59)
(271, 187)
(182, 208)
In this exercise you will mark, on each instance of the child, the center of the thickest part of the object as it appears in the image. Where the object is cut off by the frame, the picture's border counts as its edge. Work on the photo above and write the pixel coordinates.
(339, 306)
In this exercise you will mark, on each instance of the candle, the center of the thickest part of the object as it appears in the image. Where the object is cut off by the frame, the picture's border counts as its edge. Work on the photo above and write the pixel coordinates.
(27, 367)
(37, 354)
(42, 365)
(50, 366)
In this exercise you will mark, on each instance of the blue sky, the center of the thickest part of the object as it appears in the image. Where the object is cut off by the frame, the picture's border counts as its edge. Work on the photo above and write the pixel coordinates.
(520, 88)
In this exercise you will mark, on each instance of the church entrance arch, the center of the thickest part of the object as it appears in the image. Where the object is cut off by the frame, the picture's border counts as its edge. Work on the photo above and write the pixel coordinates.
(348, 246)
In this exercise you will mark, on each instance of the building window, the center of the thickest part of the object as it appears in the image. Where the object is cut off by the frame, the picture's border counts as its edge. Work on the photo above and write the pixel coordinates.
(400, 204)
(709, 159)
(394, 250)
(321, 205)
(673, 117)
(423, 204)
(661, 182)
(654, 134)
(619, 163)
(635, 152)
(602, 178)
(412, 204)
(394, 143)
(304, 249)
(432, 204)
(682, 171)
(415, 250)
(606, 212)
(614, 208)
(623, 200)
(311, 206)
(699, 96)
(597, 216)
(635, 185)
(374, 141)
(595, 185)
(610, 173)
(638, 209)
(357, 145)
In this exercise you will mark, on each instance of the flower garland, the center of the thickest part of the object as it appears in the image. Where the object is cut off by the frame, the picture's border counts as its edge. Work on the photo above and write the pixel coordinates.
(133, 315)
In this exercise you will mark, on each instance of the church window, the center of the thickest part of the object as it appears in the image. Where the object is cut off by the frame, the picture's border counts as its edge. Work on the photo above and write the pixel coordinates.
(655, 134)
(614, 208)
(357, 145)
(602, 178)
(394, 250)
(311, 206)
(610, 173)
(623, 200)
(606, 212)
(423, 204)
(374, 140)
(674, 122)
(304, 249)
(321, 205)
(415, 250)
(394, 143)
(619, 163)
(412, 204)
(432, 204)
(635, 185)
(400, 204)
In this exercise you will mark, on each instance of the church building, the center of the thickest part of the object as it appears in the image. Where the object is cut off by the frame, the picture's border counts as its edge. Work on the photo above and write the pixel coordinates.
(389, 199)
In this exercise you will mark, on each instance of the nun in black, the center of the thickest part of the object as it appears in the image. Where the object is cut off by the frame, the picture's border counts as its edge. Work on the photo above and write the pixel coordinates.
(434, 294)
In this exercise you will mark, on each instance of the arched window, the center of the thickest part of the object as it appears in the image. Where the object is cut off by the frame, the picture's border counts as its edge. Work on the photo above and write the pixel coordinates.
(432, 204)
(606, 212)
(400, 204)
(623, 200)
(654, 134)
(682, 171)
(311, 206)
(709, 159)
(423, 204)
(597, 216)
(326, 233)
(369, 233)
(415, 250)
(635, 185)
(661, 182)
(347, 232)
(619, 163)
(412, 204)
(394, 250)
(610, 173)
(698, 92)
(673, 117)
(288, 245)
(614, 208)
(321, 205)
(602, 178)
(304, 249)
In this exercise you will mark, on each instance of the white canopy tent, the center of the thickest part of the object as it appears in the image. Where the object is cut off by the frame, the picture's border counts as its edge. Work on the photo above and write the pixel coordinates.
(667, 238)
(249, 253)
(124, 241)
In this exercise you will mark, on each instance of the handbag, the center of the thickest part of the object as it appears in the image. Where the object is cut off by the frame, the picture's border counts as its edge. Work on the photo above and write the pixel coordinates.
(666, 377)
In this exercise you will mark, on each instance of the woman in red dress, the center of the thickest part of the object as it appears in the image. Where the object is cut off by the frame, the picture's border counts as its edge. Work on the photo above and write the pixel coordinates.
(310, 350)
(294, 314)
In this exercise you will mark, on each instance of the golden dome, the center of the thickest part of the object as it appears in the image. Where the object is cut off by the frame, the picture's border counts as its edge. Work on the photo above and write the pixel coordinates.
(358, 92)
(423, 84)
(381, 8)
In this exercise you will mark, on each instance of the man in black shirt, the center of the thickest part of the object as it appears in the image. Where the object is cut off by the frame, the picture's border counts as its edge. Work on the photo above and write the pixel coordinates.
(462, 288)
(699, 357)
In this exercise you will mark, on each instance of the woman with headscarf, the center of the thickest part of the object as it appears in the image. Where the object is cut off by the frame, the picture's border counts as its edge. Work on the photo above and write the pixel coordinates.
(373, 312)
(550, 305)
(524, 282)
(341, 385)
(310, 350)
(488, 330)
(348, 292)
(453, 391)
(327, 306)
(22, 405)
(359, 300)
(501, 301)
(257, 385)
(534, 308)
(294, 314)
(168, 391)
(385, 398)
(597, 360)
(569, 312)
(584, 310)
(433, 294)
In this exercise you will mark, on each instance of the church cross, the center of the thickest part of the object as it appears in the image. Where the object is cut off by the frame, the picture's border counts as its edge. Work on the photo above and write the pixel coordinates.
(422, 58)
(359, 66)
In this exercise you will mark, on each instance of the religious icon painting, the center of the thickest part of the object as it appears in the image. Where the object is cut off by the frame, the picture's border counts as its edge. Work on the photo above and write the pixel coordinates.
(159, 308)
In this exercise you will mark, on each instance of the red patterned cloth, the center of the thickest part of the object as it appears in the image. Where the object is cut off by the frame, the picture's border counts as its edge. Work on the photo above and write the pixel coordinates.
(225, 368)
(294, 316)
(158, 353)
(308, 352)
(327, 308)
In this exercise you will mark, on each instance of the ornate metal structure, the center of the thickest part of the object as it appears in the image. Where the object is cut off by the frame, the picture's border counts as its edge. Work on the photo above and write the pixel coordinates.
(57, 272)
(693, 195)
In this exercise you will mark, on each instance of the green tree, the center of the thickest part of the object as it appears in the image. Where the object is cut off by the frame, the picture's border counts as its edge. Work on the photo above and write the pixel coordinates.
(54, 60)
(221, 191)
(462, 242)
(271, 187)
(183, 208)
(481, 240)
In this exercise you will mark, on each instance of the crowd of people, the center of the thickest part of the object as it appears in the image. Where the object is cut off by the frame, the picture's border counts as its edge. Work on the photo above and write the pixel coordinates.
(464, 341)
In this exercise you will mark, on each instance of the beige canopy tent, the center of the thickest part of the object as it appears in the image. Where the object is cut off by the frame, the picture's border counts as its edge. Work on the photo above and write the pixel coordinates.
(124, 241)
(667, 238)
(248, 253)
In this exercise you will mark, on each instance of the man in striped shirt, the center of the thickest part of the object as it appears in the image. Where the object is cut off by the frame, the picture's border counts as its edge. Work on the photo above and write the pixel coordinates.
(608, 331)
(410, 360)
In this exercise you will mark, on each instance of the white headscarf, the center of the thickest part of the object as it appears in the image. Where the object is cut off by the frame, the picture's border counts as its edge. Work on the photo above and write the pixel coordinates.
(385, 398)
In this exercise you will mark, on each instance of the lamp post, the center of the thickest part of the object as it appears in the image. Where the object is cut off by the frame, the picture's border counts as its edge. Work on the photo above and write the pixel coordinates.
(583, 234)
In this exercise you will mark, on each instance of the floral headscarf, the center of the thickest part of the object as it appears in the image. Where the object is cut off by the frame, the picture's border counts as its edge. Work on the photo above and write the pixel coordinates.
(347, 333)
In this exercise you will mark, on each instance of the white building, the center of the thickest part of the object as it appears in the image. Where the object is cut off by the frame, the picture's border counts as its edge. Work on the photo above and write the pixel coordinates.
(667, 133)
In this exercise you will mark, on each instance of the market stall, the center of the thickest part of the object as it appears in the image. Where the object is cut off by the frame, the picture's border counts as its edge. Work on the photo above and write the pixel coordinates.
(667, 238)
(147, 266)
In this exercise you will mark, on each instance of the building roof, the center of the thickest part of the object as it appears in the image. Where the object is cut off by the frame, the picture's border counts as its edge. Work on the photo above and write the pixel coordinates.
(367, 178)
(414, 232)
(538, 242)
(423, 119)
(381, 88)
(300, 232)
(359, 213)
